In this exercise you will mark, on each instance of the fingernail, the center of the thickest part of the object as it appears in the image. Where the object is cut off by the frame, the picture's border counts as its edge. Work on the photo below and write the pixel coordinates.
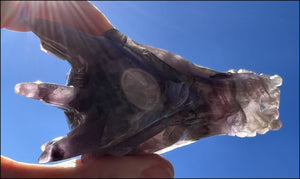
(158, 172)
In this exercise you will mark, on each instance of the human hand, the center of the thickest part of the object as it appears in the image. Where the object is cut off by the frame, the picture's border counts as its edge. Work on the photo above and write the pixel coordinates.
(85, 17)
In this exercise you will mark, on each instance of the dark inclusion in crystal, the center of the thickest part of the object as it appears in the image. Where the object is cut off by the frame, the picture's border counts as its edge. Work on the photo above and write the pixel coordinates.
(127, 98)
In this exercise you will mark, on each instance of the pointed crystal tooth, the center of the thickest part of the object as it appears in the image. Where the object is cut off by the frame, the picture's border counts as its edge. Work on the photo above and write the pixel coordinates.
(276, 80)
(44, 158)
(45, 145)
(232, 71)
(244, 71)
(52, 153)
(263, 130)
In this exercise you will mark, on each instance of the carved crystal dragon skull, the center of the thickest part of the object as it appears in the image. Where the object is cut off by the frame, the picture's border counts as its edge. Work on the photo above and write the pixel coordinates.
(126, 98)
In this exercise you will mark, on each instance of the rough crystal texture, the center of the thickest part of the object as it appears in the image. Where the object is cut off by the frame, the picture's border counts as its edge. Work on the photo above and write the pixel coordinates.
(127, 98)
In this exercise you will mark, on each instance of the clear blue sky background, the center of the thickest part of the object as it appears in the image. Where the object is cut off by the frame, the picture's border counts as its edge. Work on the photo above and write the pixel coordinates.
(258, 36)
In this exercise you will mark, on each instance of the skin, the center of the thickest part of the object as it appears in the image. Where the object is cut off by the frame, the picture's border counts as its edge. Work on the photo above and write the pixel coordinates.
(85, 17)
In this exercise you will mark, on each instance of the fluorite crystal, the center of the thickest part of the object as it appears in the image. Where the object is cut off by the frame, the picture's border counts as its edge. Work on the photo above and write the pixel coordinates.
(123, 97)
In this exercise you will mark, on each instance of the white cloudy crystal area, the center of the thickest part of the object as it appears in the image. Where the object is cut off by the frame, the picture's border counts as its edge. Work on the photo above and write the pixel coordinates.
(259, 98)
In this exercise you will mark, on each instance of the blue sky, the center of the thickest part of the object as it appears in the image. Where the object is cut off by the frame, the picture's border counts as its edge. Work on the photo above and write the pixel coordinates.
(258, 36)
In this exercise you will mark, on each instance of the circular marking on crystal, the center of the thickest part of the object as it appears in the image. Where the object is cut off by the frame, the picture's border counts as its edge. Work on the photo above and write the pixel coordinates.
(140, 88)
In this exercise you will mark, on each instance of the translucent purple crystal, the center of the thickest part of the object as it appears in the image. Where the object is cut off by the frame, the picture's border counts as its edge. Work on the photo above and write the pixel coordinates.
(126, 98)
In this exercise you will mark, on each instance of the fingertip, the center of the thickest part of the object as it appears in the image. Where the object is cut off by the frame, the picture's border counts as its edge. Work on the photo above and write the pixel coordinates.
(161, 159)
(158, 171)
(138, 166)
(160, 168)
